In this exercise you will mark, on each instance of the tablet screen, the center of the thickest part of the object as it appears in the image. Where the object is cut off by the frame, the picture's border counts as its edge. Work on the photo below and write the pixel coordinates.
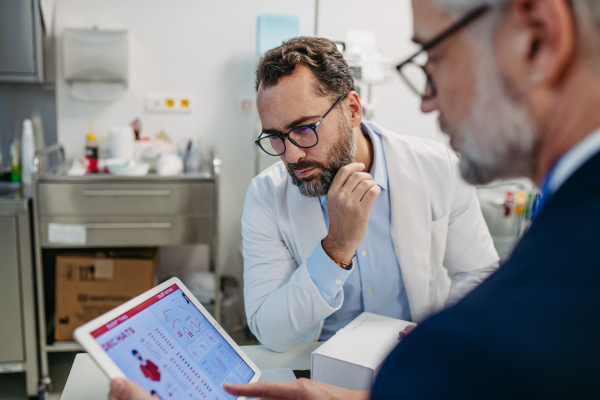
(168, 347)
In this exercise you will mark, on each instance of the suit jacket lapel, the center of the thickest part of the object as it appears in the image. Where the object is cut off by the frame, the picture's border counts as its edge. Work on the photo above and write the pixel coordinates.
(411, 219)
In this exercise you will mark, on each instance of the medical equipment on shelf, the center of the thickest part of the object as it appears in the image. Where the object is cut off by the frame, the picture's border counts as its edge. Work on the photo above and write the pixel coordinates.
(507, 209)
(367, 64)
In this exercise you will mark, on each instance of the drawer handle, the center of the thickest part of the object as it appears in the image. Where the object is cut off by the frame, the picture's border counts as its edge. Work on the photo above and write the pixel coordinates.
(129, 225)
(148, 193)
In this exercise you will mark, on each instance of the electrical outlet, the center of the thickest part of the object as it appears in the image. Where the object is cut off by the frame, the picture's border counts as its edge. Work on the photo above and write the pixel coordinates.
(169, 103)
(246, 105)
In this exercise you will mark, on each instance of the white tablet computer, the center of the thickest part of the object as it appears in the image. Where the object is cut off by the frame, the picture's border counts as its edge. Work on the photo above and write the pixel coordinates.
(165, 341)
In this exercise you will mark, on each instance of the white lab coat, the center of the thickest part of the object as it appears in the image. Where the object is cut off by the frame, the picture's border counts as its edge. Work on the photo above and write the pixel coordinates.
(437, 227)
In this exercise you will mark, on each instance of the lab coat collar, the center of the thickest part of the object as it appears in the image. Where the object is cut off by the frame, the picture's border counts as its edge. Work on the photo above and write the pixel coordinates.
(379, 169)
(411, 218)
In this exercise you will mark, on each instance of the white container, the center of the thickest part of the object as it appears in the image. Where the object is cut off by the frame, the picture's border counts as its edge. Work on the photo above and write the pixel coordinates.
(353, 356)
(169, 165)
(120, 142)
(27, 152)
(121, 167)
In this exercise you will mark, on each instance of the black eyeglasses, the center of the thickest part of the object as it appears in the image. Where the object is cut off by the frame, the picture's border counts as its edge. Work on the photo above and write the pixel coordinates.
(304, 136)
(414, 72)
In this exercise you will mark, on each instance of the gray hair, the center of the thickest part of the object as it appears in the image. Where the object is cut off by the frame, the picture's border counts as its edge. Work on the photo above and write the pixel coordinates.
(587, 12)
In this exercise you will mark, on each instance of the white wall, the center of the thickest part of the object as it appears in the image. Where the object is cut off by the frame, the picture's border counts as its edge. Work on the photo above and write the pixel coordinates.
(391, 22)
(208, 48)
(192, 46)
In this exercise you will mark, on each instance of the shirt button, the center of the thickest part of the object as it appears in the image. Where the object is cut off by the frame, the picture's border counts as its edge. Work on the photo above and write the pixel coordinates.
(364, 253)
(338, 281)
(369, 290)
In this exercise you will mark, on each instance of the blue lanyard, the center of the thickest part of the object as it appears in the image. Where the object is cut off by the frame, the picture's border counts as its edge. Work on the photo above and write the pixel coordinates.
(544, 196)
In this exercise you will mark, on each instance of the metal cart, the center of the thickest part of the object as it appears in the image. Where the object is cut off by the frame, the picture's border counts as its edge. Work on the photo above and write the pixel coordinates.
(116, 212)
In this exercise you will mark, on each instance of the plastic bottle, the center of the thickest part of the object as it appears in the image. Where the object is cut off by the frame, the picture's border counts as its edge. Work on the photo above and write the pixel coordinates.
(15, 161)
(27, 151)
(91, 149)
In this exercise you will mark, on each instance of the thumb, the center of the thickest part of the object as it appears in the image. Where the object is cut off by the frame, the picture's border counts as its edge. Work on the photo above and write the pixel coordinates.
(123, 389)
(407, 330)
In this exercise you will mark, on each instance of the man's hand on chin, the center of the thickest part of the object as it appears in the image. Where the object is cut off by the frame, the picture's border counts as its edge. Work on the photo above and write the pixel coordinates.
(301, 389)
(349, 201)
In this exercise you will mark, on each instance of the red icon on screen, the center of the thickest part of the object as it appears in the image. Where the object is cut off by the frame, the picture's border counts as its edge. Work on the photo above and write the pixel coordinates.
(149, 369)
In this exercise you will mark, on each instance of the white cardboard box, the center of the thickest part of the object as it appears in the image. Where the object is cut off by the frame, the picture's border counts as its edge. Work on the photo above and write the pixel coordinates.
(353, 356)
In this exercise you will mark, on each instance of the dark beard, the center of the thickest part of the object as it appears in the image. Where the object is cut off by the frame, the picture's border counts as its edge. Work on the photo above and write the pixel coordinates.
(341, 154)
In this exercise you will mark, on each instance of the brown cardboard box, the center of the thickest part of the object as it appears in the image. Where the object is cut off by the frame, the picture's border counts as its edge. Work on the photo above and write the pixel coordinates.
(88, 285)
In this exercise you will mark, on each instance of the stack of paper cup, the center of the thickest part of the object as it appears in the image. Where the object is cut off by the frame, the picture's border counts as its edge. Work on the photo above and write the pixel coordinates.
(120, 142)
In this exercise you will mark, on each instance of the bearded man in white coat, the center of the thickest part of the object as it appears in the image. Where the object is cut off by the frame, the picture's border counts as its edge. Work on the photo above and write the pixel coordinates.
(354, 218)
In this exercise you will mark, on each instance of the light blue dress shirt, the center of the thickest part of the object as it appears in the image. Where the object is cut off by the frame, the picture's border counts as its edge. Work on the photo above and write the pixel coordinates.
(374, 284)
(566, 166)
(574, 159)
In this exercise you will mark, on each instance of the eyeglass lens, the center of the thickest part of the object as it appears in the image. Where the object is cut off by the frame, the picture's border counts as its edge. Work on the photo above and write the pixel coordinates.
(415, 75)
(302, 137)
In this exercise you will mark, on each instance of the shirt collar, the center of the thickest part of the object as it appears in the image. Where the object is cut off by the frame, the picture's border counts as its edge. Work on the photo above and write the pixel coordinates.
(379, 168)
(572, 160)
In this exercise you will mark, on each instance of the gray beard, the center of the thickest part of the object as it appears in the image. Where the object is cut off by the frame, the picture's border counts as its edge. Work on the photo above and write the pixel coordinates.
(499, 138)
(341, 154)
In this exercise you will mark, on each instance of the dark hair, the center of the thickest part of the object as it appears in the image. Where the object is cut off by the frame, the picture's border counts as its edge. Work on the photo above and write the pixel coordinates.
(333, 76)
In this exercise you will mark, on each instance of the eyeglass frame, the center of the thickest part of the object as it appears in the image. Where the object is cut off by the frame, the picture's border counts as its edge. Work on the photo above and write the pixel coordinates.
(458, 25)
(283, 136)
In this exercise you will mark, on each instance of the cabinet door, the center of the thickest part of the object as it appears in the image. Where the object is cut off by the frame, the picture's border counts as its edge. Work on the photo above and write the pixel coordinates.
(17, 46)
(11, 324)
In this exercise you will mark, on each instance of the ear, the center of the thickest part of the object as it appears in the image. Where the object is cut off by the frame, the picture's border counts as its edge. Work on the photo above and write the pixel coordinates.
(544, 41)
(354, 107)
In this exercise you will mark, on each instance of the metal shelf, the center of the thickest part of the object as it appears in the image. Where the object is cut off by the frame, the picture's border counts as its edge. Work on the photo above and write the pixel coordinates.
(101, 183)
(60, 347)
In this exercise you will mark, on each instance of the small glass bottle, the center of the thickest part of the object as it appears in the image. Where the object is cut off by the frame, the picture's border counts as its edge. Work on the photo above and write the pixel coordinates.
(91, 149)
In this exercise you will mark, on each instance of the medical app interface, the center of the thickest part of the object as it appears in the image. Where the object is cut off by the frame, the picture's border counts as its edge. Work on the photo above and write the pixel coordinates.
(170, 349)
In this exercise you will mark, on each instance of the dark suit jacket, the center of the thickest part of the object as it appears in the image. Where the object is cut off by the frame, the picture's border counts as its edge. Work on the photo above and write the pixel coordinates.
(531, 330)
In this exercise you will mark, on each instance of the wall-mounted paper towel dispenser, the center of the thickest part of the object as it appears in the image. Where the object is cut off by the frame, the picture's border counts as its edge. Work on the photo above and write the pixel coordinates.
(95, 63)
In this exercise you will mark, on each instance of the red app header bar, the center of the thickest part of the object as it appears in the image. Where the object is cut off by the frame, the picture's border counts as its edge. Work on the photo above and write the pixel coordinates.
(140, 307)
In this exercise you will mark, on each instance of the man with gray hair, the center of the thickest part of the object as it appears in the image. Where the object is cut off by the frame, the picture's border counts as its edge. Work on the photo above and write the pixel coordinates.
(517, 86)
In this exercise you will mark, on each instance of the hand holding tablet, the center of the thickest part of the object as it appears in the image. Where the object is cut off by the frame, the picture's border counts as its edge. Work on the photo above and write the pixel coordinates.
(167, 343)
(123, 389)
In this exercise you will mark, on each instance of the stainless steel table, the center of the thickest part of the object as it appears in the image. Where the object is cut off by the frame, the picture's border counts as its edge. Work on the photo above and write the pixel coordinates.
(116, 211)
(87, 381)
